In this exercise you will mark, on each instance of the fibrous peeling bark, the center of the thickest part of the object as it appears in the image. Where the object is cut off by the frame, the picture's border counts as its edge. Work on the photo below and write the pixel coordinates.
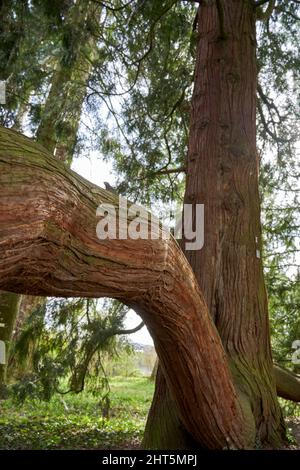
(222, 174)
(49, 246)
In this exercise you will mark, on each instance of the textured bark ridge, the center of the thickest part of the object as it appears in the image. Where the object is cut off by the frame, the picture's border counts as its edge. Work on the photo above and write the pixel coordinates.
(222, 171)
(48, 246)
(222, 174)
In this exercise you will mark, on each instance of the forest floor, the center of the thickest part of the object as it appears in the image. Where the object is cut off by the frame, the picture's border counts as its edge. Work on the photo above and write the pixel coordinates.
(76, 422)
(293, 425)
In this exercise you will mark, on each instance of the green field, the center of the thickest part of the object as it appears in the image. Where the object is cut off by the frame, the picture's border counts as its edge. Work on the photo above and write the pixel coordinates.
(76, 422)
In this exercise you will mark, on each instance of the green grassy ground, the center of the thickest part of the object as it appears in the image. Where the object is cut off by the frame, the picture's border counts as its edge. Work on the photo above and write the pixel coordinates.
(76, 422)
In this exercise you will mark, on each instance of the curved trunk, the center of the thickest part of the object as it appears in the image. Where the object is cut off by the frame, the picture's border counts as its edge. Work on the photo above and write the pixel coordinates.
(49, 246)
(222, 174)
(9, 303)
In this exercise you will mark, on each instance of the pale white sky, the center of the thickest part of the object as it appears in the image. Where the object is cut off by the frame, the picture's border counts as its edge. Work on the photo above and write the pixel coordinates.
(94, 169)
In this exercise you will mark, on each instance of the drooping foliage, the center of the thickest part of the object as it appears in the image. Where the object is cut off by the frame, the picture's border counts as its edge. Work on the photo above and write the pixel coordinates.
(147, 94)
(279, 131)
(62, 345)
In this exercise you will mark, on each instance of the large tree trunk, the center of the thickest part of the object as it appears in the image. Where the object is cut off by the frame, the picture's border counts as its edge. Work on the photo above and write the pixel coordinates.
(222, 174)
(49, 246)
(164, 429)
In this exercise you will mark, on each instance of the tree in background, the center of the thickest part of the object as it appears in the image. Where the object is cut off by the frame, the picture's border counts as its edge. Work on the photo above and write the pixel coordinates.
(16, 43)
(54, 120)
(63, 345)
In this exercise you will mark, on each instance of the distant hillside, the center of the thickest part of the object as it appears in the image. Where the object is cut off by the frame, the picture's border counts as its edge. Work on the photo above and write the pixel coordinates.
(146, 348)
(145, 357)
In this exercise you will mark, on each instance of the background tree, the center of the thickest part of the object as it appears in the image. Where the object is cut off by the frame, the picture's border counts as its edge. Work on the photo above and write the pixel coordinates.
(55, 121)
(63, 344)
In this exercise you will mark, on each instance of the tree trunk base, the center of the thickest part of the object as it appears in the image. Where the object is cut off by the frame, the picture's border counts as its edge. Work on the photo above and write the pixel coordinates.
(164, 431)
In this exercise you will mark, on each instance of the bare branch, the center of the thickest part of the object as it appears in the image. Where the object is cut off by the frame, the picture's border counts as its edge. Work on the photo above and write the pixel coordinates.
(162, 172)
(266, 127)
(169, 171)
(287, 384)
(282, 253)
(268, 102)
(110, 8)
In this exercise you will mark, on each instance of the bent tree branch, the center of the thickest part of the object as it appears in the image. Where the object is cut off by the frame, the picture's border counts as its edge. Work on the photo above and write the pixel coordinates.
(48, 246)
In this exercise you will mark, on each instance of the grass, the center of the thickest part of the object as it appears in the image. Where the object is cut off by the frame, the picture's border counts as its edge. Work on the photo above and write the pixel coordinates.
(75, 422)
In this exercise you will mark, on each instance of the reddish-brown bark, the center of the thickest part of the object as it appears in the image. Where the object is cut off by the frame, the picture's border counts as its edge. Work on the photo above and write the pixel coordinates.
(222, 174)
(48, 246)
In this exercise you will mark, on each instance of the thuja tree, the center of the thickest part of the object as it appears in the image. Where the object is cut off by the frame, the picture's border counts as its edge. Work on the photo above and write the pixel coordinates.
(207, 311)
(222, 173)
(153, 126)
(158, 108)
